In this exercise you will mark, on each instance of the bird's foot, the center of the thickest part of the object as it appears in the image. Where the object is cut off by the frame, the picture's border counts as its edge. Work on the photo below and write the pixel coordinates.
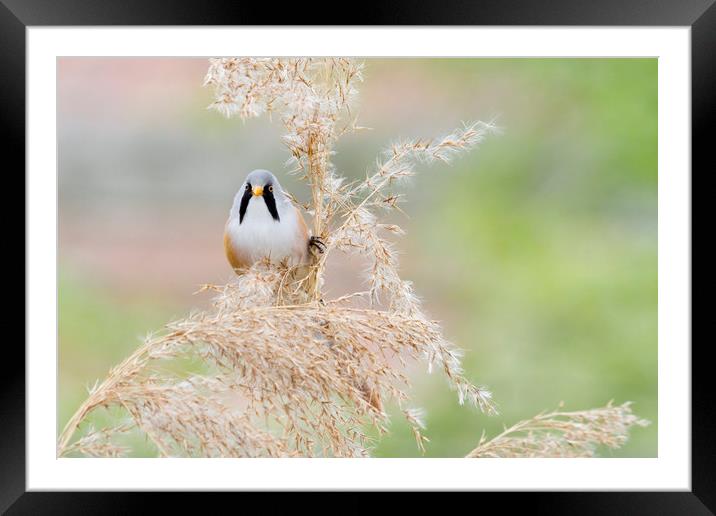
(316, 244)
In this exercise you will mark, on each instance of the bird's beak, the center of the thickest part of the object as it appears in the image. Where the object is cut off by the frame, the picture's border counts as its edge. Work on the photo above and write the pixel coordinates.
(258, 190)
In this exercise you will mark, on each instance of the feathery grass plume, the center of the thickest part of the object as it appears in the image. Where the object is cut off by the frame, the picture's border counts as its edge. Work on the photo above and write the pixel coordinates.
(98, 443)
(287, 372)
(562, 434)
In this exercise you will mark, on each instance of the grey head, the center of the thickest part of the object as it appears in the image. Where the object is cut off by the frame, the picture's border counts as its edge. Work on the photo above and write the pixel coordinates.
(260, 186)
(264, 179)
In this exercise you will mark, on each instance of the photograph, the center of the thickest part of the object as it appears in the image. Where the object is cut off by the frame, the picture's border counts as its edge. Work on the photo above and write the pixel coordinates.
(357, 257)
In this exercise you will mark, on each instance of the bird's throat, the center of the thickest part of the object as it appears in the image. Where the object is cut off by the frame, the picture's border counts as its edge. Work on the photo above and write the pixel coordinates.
(266, 201)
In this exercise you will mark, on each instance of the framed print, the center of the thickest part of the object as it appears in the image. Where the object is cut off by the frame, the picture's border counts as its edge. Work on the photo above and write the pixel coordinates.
(388, 257)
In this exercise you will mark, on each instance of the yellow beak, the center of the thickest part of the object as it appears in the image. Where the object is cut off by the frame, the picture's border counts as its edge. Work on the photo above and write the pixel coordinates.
(258, 190)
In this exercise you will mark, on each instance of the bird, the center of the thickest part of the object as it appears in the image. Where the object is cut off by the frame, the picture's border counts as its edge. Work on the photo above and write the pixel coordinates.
(264, 223)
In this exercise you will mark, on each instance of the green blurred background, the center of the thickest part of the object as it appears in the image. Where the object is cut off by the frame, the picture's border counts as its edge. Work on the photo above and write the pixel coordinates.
(537, 251)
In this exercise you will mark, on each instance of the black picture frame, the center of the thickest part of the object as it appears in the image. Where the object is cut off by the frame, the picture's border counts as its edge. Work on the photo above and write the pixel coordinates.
(700, 15)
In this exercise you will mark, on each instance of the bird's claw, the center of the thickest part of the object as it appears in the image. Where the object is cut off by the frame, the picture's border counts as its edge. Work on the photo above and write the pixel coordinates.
(317, 243)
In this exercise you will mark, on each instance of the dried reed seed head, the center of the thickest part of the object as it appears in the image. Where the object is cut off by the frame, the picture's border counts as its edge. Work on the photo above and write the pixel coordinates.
(99, 442)
(563, 434)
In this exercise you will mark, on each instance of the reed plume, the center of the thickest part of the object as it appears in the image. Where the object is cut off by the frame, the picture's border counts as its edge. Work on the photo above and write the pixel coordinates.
(562, 434)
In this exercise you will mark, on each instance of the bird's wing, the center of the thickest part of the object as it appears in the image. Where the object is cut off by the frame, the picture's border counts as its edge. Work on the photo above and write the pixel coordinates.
(237, 260)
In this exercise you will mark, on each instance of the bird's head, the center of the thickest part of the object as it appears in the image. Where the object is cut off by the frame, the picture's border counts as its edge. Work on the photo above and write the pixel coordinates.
(260, 182)
(263, 187)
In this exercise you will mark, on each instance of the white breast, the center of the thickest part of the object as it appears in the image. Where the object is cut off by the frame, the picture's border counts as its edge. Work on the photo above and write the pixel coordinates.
(259, 235)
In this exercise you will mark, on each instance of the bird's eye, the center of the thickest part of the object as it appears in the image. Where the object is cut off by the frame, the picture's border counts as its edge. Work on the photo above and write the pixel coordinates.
(271, 188)
(248, 186)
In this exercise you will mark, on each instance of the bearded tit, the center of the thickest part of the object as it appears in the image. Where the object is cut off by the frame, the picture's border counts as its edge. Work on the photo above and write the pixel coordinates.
(264, 223)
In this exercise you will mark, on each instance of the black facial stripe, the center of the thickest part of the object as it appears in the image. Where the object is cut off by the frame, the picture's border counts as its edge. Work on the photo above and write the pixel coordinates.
(271, 203)
(244, 203)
